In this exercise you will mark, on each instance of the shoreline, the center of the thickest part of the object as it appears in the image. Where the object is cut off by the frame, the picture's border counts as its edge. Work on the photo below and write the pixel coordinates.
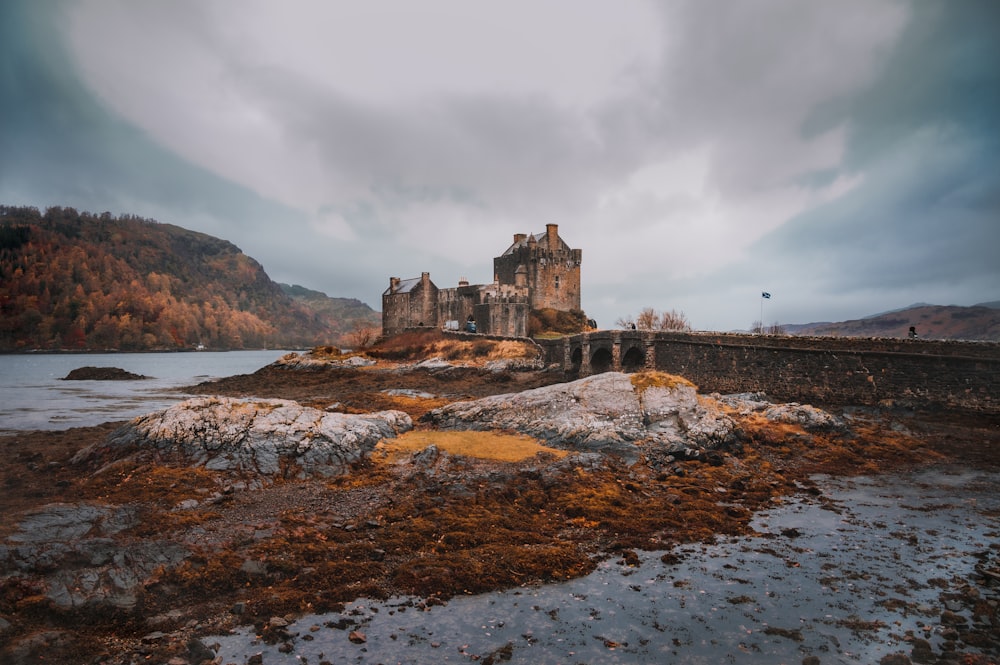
(709, 602)
(325, 543)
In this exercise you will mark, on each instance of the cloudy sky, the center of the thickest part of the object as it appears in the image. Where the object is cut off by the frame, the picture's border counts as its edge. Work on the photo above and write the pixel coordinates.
(843, 156)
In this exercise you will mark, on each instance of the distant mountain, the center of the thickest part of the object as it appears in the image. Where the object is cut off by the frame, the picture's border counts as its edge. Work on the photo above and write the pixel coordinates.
(80, 281)
(980, 322)
(342, 316)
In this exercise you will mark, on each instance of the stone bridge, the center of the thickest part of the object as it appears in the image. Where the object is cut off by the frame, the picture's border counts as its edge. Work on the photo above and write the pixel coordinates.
(604, 351)
(834, 370)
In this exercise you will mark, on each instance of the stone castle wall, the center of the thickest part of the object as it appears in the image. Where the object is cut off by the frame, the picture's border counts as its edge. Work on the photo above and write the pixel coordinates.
(955, 375)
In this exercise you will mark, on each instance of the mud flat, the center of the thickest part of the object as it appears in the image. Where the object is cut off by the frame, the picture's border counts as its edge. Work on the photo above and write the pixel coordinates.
(863, 570)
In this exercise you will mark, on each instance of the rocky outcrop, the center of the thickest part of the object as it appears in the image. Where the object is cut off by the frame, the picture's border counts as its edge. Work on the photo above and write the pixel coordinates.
(806, 416)
(628, 414)
(266, 438)
(102, 374)
(312, 361)
(70, 552)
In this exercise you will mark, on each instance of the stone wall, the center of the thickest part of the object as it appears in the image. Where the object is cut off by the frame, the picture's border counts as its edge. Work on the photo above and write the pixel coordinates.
(958, 375)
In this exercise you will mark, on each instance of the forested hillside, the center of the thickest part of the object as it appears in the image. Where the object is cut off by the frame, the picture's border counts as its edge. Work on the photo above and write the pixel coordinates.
(79, 281)
(343, 316)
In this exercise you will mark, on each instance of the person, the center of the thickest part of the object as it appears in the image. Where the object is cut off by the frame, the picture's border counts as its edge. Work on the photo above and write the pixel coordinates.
(913, 332)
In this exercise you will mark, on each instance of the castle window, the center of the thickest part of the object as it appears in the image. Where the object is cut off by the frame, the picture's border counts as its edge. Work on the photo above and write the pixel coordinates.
(557, 281)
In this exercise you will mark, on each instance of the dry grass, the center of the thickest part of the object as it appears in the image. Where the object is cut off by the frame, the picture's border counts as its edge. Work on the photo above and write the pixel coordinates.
(495, 446)
(431, 343)
(643, 380)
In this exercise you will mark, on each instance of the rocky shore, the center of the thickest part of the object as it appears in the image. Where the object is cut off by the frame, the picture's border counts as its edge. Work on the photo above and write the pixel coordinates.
(324, 478)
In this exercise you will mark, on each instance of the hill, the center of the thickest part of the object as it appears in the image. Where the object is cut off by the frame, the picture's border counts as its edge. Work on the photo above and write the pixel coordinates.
(979, 322)
(341, 316)
(80, 281)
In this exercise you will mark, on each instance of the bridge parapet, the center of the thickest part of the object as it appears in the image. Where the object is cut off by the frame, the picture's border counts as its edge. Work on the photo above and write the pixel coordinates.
(867, 371)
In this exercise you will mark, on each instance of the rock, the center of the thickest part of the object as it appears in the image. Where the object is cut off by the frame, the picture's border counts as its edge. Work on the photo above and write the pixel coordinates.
(264, 437)
(895, 659)
(357, 637)
(605, 412)
(949, 618)
(60, 522)
(254, 568)
(515, 365)
(433, 364)
(36, 648)
(168, 619)
(102, 374)
(793, 413)
(71, 548)
(922, 651)
(309, 361)
(745, 403)
(408, 392)
(804, 415)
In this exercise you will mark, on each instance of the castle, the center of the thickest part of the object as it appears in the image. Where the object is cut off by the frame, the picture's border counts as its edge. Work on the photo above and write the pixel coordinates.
(537, 271)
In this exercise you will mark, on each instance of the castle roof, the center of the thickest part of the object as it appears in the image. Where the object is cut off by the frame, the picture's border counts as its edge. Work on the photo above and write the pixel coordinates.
(404, 286)
(540, 240)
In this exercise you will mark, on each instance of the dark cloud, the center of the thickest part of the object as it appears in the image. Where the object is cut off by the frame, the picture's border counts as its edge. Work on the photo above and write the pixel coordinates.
(926, 134)
(841, 155)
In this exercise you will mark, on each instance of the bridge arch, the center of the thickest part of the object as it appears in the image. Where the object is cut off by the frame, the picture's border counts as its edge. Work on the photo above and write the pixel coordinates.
(633, 359)
(575, 360)
(601, 361)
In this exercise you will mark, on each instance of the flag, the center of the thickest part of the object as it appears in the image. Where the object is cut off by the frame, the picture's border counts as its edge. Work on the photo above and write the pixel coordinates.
(765, 294)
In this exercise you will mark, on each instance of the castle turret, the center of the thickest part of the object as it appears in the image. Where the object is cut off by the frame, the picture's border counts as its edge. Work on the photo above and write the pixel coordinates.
(521, 276)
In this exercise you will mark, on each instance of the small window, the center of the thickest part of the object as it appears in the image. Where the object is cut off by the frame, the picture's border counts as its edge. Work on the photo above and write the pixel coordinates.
(557, 281)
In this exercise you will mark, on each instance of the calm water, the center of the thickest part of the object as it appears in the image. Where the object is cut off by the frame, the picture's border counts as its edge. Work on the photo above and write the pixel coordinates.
(33, 395)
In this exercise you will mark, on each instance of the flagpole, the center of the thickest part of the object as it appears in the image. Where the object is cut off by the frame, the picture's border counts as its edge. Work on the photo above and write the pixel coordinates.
(764, 295)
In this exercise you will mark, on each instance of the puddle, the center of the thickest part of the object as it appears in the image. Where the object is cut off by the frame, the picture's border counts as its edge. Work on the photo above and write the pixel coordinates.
(844, 576)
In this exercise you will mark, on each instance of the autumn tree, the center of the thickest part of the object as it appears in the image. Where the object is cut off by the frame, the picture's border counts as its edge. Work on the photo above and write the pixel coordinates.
(650, 319)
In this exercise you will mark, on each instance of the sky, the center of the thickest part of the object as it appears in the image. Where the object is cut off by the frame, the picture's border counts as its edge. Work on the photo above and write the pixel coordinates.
(842, 156)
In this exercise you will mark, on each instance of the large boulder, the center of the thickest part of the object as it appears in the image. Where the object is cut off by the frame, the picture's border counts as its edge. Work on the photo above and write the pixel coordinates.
(629, 414)
(267, 438)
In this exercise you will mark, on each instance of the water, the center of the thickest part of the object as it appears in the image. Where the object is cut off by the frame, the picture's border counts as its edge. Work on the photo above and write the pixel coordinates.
(33, 396)
(842, 577)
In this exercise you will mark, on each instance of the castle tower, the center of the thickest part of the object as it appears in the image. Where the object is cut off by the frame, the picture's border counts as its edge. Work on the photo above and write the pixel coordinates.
(546, 265)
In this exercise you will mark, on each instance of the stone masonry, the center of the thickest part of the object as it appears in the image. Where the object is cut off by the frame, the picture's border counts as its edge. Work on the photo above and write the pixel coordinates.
(537, 271)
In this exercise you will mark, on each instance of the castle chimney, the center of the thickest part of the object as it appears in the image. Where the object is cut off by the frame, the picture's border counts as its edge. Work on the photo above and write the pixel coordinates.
(552, 235)
(519, 238)
(393, 284)
(462, 281)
